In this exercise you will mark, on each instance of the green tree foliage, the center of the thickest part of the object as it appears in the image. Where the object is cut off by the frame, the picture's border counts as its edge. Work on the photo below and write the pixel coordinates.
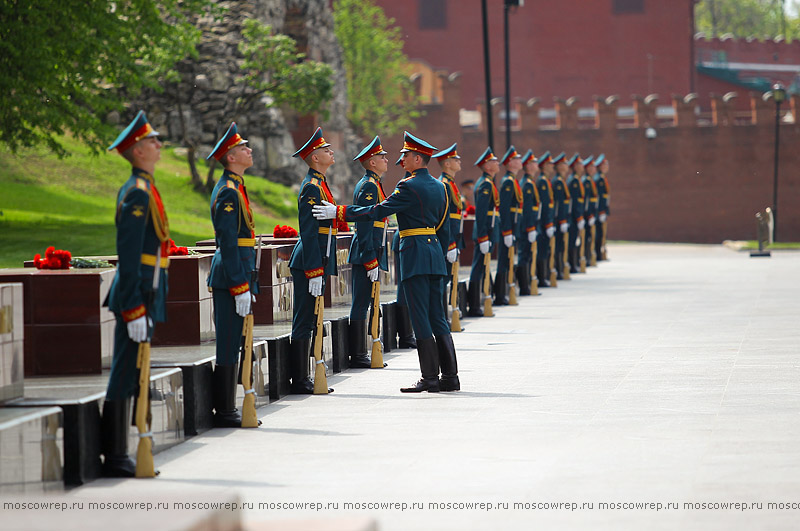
(274, 70)
(747, 18)
(381, 96)
(64, 64)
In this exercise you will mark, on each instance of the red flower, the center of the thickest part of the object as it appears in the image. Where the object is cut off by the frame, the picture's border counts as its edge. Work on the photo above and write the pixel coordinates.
(284, 231)
(174, 250)
(53, 259)
(471, 210)
(342, 226)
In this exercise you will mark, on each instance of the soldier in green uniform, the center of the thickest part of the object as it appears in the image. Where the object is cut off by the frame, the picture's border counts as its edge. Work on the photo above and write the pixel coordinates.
(603, 208)
(546, 219)
(367, 250)
(405, 332)
(528, 223)
(561, 198)
(142, 241)
(450, 161)
(510, 209)
(487, 201)
(313, 258)
(590, 209)
(231, 269)
(421, 205)
(577, 222)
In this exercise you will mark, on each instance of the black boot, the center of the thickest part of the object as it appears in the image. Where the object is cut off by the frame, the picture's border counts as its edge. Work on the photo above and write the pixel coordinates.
(300, 351)
(224, 388)
(475, 300)
(301, 383)
(114, 429)
(429, 365)
(500, 289)
(359, 358)
(404, 329)
(449, 364)
(523, 279)
(543, 273)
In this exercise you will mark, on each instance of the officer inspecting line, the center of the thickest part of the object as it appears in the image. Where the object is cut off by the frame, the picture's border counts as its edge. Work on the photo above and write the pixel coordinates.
(520, 219)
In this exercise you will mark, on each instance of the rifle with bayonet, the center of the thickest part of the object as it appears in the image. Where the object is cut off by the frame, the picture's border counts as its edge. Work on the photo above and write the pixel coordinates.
(320, 378)
(249, 416)
(145, 467)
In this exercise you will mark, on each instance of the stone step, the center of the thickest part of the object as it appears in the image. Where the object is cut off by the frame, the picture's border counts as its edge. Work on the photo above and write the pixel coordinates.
(31, 446)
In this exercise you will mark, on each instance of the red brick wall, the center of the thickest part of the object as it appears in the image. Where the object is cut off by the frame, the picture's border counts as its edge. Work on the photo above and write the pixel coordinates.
(572, 47)
(692, 183)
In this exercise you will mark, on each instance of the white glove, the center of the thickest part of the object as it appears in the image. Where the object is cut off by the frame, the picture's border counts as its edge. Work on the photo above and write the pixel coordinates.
(550, 231)
(564, 227)
(581, 224)
(324, 211)
(452, 256)
(484, 247)
(373, 273)
(603, 217)
(137, 329)
(591, 221)
(242, 303)
(315, 286)
(508, 241)
(578, 241)
(532, 236)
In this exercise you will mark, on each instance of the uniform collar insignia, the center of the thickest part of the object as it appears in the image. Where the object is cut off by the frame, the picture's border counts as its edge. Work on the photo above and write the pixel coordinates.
(317, 175)
(230, 175)
(371, 174)
(143, 174)
(447, 176)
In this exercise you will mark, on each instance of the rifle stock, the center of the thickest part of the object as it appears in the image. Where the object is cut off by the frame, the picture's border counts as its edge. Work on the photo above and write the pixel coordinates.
(582, 250)
(512, 285)
(487, 290)
(603, 254)
(565, 257)
(455, 316)
(376, 361)
(534, 282)
(145, 467)
(249, 416)
(592, 256)
(551, 263)
(320, 378)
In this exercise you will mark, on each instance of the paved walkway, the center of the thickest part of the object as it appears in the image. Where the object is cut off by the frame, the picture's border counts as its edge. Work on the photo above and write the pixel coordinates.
(669, 375)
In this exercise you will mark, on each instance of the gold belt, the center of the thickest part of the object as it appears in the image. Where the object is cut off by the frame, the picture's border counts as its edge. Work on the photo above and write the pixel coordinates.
(150, 260)
(379, 224)
(246, 242)
(427, 231)
(516, 210)
(326, 230)
(455, 216)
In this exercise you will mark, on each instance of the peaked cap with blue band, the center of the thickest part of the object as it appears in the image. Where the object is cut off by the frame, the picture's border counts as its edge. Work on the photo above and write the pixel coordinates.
(229, 140)
(412, 143)
(510, 154)
(544, 157)
(527, 157)
(449, 153)
(600, 158)
(137, 130)
(486, 156)
(588, 160)
(558, 158)
(315, 142)
(574, 158)
(372, 149)
(399, 161)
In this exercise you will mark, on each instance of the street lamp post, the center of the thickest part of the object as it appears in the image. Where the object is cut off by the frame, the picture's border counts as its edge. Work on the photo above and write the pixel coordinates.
(779, 95)
(507, 4)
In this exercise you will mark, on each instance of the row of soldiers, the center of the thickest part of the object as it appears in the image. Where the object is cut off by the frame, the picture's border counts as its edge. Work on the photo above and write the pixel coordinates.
(428, 241)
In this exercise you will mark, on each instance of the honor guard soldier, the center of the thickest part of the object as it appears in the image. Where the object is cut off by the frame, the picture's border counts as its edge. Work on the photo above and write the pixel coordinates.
(510, 209)
(561, 199)
(528, 223)
(405, 332)
(487, 201)
(367, 250)
(450, 161)
(603, 208)
(576, 220)
(421, 205)
(142, 241)
(231, 269)
(590, 209)
(313, 258)
(546, 219)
